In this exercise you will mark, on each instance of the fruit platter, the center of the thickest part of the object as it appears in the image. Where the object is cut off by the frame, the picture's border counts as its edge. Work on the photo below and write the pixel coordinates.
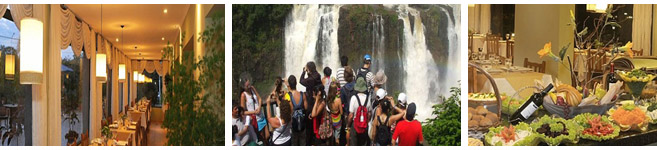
(510, 135)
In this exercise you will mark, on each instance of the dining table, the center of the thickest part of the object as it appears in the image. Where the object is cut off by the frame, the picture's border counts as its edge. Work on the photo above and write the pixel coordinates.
(510, 80)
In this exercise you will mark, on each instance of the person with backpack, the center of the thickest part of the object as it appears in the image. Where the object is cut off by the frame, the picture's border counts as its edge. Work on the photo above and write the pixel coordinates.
(321, 119)
(365, 71)
(296, 100)
(346, 92)
(358, 114)
(311, 82)
(282, 130)
(381, 125)
(409, 130)
(250, 99)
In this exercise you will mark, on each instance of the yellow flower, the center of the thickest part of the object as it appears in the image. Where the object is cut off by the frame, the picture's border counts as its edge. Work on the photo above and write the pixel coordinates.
(627, 49)
(547, 49)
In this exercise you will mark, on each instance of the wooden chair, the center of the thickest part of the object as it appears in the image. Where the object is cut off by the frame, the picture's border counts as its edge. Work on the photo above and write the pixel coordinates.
(472, 80)
(509, 49)
(638, 52)
(535, 66)
(492, 45)
(471, 42)
(84, 139)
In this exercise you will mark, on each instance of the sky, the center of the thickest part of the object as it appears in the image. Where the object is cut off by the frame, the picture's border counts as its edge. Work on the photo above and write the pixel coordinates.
(9, 29)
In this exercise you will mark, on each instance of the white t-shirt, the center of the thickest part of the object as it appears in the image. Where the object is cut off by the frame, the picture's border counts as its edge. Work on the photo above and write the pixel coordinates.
(250, 134)
(282, 130)
(252, 103)
(353, 103)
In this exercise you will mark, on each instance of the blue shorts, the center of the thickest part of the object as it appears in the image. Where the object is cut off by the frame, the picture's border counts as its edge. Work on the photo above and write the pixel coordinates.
(262, 123)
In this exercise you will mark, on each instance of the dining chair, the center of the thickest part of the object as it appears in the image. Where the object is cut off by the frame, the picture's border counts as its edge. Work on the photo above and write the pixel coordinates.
(472, 80)
(84, 139)
(470, 42)
(492, 44)
(537, 67)
(638, 52)
(509, 49)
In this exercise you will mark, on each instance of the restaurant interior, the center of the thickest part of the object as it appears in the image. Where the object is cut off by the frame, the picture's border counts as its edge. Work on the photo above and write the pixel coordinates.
(104, 75)
(591, 61)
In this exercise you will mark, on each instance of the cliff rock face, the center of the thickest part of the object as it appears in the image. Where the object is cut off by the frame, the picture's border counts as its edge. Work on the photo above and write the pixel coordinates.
(357, 37)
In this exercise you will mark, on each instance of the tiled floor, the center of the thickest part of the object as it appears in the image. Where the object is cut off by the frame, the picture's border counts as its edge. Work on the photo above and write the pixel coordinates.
(157, 136)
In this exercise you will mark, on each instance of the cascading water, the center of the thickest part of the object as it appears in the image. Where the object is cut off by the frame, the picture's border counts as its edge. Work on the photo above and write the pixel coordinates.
(378, 44)
(311, 34)
(423, 82)
(305, 28)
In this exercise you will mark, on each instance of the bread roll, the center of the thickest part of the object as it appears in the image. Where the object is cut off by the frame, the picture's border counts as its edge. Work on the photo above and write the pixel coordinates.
(485, 122)
(477, 117)
(473, 124)
(481, 111)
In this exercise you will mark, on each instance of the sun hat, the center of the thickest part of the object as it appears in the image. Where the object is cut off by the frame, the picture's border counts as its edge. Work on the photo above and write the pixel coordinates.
(361, 85)
(380, 78)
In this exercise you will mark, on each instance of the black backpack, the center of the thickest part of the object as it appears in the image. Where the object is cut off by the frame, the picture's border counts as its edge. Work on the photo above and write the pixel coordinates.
(383, 133)
(298, 116)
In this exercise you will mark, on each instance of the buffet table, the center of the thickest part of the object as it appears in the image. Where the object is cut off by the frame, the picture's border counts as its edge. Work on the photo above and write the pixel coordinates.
(509, 82)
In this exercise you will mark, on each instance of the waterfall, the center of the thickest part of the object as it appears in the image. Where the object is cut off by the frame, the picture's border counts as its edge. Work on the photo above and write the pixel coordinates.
(378, 44)
(308, 28)
(421, 82)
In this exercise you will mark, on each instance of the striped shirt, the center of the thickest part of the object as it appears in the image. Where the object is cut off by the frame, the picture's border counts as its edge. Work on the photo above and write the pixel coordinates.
(340, 76)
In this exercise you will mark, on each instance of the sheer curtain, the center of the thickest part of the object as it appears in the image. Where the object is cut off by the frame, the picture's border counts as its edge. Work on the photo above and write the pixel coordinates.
(641, 27)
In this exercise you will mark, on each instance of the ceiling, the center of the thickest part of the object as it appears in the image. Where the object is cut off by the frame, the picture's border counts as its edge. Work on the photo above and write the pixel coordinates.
(145, 25)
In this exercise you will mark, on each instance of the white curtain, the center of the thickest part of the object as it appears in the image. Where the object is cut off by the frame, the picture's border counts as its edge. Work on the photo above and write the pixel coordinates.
(481, 18)
(3, 9)
(641, 27)
(20, 11)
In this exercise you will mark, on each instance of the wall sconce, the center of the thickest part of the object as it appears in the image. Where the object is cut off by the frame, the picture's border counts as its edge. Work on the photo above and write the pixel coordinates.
(122, 72)
(101, 67)
(31, 46)
(141, 78)
(10, 66)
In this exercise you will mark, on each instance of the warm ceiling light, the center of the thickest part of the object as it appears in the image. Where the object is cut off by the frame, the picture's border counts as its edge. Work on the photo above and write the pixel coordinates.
(101, 67)
(10, 66)
(117, 39)
(471, 5)
(166, 11)
(121, 71)
(162, 38)
(135, 76)
(31, 46)
(597, 8)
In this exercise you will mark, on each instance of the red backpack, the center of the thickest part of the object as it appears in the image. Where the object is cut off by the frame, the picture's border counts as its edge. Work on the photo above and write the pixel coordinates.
(361, 119)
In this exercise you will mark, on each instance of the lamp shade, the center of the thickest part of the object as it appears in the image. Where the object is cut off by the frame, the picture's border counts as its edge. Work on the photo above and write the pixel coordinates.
(101, 67)
(121, 71)
(141, 78)
(135, 76)
(10, 66)
(31, 51)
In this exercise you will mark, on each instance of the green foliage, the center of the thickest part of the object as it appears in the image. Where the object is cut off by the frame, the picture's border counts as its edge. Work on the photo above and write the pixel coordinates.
(71, 90)
(445, 128)
(258, 47)
(196, 113)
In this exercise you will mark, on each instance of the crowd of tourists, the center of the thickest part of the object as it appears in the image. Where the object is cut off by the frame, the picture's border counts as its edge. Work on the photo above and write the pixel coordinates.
(351, 108)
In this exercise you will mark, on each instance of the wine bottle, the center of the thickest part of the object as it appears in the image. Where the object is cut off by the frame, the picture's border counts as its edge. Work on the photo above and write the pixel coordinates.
(611, 77)
(529, 107)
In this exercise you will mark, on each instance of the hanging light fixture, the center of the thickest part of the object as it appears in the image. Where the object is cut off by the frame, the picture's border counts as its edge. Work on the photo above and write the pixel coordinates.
(31, 46)
(597, 8)
(121, 65)
(135, 76)
(10, 66)
(101, 59)
(101, 67)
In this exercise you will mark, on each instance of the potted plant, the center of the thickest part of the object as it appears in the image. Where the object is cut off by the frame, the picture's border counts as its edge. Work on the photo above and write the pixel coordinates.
(72, 119)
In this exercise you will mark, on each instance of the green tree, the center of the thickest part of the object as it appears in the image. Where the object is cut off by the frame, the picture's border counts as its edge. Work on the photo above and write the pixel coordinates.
(196, 113)
(445, 128)
(258, 48)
